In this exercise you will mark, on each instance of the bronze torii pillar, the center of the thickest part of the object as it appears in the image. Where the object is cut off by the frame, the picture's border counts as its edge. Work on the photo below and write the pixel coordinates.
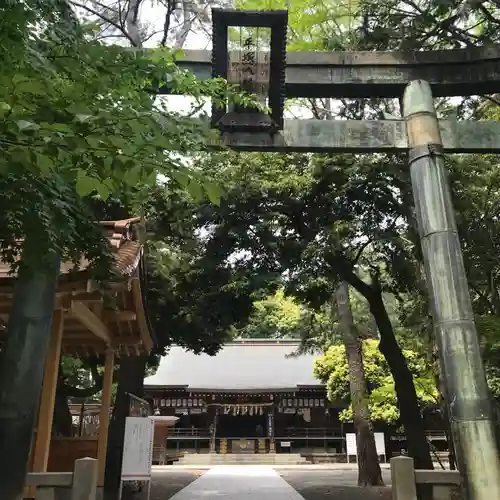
(467, 395)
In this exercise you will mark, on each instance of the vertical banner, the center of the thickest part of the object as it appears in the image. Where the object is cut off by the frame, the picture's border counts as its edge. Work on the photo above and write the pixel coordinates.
(270, 424)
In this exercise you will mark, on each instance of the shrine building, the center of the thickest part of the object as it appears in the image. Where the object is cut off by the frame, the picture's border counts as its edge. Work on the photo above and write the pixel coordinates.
(253, 396)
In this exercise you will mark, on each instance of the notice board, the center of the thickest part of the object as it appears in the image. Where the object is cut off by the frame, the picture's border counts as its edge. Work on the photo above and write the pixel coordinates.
(138, 449)
(350, 439)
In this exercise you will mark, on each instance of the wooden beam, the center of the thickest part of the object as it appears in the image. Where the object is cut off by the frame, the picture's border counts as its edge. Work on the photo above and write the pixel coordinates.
(141, 315)
(80, 339)
(119, 315)
(471, 71)
(366, 136)
(91, 321)
(102, 442)
(41, 448)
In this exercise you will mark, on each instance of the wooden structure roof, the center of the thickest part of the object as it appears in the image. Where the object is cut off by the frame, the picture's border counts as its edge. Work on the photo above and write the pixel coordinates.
(94, 319)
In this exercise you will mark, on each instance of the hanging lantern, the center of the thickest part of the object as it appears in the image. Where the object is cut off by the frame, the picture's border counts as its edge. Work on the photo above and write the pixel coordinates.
(256, 69)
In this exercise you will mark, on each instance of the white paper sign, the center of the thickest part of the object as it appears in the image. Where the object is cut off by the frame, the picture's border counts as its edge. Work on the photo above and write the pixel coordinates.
(138, 449)
(350, 440)
(380, 443)
(350, 443)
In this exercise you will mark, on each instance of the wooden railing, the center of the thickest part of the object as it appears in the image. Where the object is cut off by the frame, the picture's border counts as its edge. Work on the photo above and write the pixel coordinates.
(188, 433)
(82, 481)
(310, 432)
(405, 478)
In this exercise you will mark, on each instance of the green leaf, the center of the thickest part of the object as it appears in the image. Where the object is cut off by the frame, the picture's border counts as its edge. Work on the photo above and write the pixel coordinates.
(181, 178)
(26, 125)
(108, 162)
(195, 190)
(85, 184)
(102, 190)
(45, 163)
(133, 175)
(214, 192)
(4, 109)
(82, 118)
(118, 141)
(61, 127)
(93, 141)
(31, 86)
(161, 142)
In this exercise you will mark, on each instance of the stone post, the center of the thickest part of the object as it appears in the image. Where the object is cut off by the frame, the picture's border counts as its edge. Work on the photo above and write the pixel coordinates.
(84, 479)
(403, 479)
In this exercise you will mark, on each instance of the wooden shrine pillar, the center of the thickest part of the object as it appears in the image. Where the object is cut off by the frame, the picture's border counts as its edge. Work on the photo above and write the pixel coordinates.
(47, 400)
(102, 442)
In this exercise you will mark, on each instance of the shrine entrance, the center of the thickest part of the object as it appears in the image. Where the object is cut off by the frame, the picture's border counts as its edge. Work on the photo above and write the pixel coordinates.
(241, 426)
(266, 73)
(245, 428)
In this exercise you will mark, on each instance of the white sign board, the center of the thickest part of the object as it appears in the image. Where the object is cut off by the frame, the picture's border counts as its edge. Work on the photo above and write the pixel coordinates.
(286, 444)
(138, 449)
(350, 443)
(380, 443)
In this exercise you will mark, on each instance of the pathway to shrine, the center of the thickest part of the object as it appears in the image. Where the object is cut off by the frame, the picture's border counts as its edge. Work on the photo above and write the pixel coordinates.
(236, 482)
(264, 482)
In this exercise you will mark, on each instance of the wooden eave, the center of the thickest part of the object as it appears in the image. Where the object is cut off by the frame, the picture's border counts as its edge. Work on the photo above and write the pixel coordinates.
(98, 319)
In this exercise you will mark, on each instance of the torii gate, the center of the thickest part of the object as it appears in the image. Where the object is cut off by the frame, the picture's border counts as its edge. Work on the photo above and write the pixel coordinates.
(412, 76)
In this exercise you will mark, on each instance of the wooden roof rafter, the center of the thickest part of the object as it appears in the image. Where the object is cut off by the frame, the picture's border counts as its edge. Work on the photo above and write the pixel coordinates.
(97, 319)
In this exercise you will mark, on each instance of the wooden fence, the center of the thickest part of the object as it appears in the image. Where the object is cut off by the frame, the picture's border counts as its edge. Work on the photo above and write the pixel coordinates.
(405, 478)
(80, 484)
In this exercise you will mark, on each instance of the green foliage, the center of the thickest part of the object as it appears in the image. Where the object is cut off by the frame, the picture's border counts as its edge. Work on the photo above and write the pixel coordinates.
(489, 332)
(81, 120)
(275, 316)
(313, 22)
(279, 316)
(332, 370)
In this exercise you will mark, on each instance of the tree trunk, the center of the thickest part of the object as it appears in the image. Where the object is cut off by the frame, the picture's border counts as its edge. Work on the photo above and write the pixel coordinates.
(369, 473)
(130, 381)
(409, 409)
(22, 366)
(63, 423)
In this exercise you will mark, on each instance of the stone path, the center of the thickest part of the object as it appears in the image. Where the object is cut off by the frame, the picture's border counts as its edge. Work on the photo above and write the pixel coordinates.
(239, 483)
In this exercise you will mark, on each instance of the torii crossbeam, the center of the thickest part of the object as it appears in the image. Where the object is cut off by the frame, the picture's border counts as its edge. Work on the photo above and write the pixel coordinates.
(471, 71)
(365, 136)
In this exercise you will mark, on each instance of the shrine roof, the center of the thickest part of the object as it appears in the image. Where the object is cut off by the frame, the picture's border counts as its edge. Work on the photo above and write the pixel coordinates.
(246, 364)
(97, 318)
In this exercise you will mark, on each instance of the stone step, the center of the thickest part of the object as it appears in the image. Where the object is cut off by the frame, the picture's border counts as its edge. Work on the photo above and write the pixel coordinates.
(242, 459)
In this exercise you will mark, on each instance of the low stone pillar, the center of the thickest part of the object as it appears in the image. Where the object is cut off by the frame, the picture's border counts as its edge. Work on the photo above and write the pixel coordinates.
(403, 479)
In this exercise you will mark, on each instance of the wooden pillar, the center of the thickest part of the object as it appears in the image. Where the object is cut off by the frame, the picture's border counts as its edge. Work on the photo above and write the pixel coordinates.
(102, 443)
(47, 399)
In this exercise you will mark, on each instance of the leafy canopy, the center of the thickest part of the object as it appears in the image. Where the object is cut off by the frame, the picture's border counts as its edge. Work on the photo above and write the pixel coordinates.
(81, 119)
(332, 370)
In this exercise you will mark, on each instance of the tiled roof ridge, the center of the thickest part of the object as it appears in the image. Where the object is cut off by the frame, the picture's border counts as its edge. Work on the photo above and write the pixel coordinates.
(256, 341)
(119, 231)
(126, 240)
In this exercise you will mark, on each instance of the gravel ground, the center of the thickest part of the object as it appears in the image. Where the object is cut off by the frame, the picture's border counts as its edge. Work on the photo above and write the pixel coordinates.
(334, 485)
(166, 483)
